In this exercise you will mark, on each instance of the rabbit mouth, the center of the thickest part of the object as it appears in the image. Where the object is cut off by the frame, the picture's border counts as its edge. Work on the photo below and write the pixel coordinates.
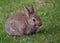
(37, 26)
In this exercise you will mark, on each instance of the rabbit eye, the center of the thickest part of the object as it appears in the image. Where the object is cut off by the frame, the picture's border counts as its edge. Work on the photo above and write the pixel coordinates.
(34, 20)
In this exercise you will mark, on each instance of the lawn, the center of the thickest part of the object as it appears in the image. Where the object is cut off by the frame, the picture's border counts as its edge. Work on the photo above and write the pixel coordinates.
(48, 10)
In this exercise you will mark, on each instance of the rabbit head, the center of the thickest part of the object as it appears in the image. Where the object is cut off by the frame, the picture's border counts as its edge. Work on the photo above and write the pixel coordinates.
(32, 18)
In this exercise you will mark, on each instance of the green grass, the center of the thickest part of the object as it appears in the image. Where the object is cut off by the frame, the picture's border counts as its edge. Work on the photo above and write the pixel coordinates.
(48, 10)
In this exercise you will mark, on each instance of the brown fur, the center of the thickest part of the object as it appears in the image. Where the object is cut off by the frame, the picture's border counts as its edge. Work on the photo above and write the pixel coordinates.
(20, 24)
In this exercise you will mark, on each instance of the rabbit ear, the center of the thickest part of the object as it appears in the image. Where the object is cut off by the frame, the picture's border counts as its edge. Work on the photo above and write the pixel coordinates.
(26, 11)
(32, 9)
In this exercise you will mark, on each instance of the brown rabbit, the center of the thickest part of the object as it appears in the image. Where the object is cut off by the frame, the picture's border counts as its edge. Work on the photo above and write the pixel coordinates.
(21, 24)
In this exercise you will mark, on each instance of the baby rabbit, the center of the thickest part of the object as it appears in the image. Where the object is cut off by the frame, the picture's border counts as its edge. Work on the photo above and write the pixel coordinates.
(23, 24)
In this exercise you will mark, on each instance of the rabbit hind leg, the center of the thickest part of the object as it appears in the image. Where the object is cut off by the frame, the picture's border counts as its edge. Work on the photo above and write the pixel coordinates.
(11, 31)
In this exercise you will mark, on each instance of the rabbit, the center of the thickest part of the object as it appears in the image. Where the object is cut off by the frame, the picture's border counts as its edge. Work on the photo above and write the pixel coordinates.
(23, 24)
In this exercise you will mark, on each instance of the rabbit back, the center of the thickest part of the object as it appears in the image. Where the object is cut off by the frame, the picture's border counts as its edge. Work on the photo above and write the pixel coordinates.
(16, 24)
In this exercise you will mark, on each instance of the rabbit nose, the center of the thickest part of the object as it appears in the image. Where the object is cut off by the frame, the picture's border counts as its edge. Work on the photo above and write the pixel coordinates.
(39, 24)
